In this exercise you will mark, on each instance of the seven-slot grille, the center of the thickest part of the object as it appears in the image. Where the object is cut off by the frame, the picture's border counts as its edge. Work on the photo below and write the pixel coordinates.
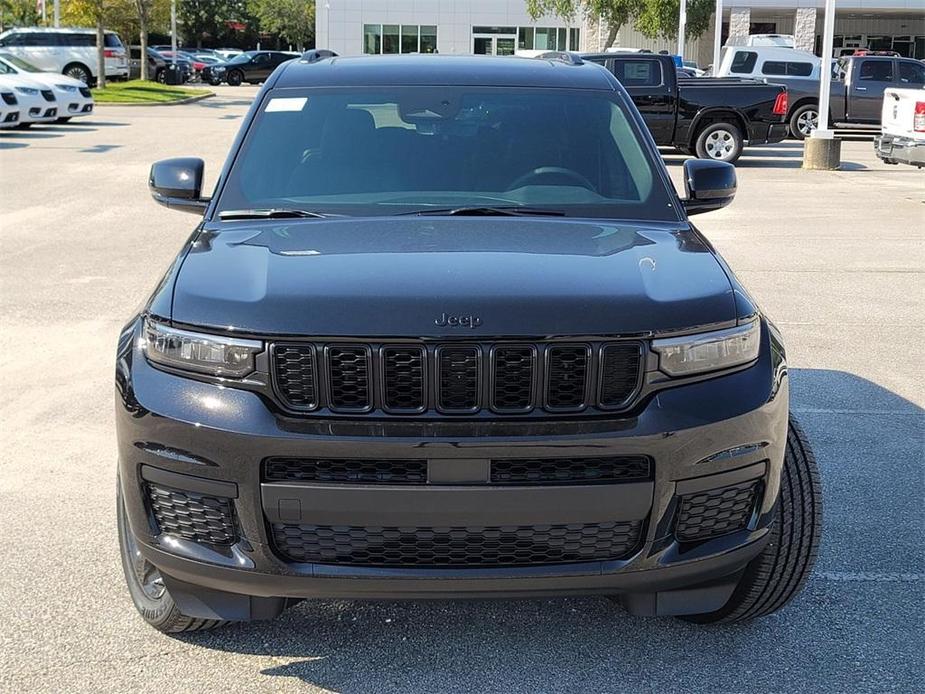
(48, 95)
(456, 379)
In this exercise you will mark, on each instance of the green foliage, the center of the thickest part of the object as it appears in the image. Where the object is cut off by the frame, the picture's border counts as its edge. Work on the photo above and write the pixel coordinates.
(291, 20)
(652, 18)
(659, 18)
(18, 13)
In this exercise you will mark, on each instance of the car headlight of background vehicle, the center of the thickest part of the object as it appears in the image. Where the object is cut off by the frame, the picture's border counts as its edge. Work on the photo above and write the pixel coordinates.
(210, 354)
(27, 90)
(720, 349)
(66, 87)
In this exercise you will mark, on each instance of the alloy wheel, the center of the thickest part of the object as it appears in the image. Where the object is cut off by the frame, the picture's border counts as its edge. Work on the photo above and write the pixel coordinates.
(807, 122)
(720, 144)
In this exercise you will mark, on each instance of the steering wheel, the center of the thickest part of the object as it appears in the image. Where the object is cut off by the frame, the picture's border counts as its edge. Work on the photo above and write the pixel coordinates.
(551, 171)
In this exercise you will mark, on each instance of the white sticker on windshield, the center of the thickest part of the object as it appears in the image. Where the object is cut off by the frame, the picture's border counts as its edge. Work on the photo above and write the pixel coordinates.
(286, 104)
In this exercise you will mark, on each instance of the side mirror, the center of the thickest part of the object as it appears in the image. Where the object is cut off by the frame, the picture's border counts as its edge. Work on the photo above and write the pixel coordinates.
(177, 184)
(709, 185)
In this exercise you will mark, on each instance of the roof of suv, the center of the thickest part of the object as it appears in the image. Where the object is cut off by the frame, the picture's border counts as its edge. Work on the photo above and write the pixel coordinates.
(443, 70)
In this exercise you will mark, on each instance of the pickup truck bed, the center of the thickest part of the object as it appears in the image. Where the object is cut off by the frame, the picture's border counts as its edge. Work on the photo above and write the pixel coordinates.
(686, 112)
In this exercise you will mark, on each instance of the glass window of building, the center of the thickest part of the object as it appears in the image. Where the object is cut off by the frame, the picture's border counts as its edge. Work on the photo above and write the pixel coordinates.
(409, 38)
(395, 38)
(390, 35)
(428, 39)
(372, 38)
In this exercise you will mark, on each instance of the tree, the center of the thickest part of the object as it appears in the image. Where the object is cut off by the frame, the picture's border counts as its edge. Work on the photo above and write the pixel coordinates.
(613, 13)
(291, 20)
(19, 13)
(652, 18)
(92, 13)
(209, 19)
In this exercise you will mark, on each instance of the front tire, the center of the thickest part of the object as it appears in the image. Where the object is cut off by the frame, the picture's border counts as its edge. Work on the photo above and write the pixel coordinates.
(720, 142)
(146, 586)
(235, 77)
(778, 574)
(803, 121)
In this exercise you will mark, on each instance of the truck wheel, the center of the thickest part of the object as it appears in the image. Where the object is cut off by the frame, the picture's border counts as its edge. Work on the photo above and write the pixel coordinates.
(147, 588)
(161, 76)
(719, 141)
(235, 77)
(803, 121)
(777, 575)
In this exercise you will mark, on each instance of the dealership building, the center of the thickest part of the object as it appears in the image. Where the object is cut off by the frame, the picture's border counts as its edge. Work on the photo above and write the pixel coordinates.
(501, 27)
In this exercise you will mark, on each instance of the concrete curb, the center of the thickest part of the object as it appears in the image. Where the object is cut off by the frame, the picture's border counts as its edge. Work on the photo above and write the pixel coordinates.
(188, 100)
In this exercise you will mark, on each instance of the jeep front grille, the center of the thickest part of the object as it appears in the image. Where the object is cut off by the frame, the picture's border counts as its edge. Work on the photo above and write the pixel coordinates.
(454, 379)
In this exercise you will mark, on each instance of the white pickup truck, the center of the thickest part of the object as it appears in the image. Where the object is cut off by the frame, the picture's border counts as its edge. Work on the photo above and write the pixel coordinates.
(902, 136)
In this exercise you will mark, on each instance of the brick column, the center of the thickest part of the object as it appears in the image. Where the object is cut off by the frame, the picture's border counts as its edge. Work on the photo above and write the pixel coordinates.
(740, 19)
(804, 29)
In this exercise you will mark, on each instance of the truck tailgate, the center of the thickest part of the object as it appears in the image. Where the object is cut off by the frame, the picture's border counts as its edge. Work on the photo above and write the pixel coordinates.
(898, 115)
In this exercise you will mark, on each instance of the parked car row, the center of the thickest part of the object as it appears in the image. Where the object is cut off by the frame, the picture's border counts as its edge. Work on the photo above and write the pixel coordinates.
(858, 82)
(70, 52)
(30, 95)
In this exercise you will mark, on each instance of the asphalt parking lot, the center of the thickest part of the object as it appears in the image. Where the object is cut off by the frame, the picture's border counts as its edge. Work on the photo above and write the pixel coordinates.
(837, 259)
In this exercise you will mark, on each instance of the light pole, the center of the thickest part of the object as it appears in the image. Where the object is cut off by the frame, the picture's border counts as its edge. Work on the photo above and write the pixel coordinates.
(717, 36)
(821, 149)
(57, 13)
(173, 32)
(682, 28)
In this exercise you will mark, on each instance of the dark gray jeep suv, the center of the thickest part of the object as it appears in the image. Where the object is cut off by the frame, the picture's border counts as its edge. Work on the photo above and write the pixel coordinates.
(444, 330)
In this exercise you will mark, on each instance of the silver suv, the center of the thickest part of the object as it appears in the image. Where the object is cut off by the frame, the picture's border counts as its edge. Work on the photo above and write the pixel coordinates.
(71, 52)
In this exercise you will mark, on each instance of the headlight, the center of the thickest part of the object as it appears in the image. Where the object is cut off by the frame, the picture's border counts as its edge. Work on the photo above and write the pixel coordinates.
(27, 90)
(681, 356)
(66, 87)
(210, 354)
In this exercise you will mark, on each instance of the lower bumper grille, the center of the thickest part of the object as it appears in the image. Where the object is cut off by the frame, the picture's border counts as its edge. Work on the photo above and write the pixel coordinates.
(348, 470)
(457, 546)
(569, 470)
(192, 516)
(717, 511)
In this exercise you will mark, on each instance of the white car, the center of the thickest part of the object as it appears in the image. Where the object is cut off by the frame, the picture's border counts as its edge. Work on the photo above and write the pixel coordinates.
(37, 102)
(70, 52)
(73, 97)
(902, 137)
(9, 107)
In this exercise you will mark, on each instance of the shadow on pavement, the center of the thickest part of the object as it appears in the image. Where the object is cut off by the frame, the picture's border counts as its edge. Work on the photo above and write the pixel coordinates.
(856, 626)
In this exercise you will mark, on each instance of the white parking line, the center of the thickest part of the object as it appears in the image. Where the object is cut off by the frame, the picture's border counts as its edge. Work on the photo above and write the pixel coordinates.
(868, 576)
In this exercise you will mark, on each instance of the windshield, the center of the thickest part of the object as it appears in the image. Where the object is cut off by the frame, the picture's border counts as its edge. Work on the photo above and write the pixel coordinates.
(240, 58)
(399, 150)
(19, 62)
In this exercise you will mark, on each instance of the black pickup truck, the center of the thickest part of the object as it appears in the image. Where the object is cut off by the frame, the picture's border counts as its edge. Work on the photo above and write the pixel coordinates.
(713, 118)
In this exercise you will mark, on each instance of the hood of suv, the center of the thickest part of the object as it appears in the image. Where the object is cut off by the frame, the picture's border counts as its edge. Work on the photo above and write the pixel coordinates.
(428, 276)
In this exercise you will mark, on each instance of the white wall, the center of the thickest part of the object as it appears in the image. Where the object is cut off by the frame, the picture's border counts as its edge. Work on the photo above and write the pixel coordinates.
(339, 23)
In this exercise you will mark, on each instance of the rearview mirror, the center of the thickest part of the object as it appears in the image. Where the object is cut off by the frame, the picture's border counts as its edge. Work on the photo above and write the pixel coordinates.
(709, 185)
(177, 184)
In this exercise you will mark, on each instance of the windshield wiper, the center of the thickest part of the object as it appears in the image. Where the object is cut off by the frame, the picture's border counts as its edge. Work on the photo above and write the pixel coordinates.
(505, 211)
(269, 213)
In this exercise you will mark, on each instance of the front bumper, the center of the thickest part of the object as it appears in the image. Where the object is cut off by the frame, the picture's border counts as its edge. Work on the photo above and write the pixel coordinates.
(895, 149)
(188, 434)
